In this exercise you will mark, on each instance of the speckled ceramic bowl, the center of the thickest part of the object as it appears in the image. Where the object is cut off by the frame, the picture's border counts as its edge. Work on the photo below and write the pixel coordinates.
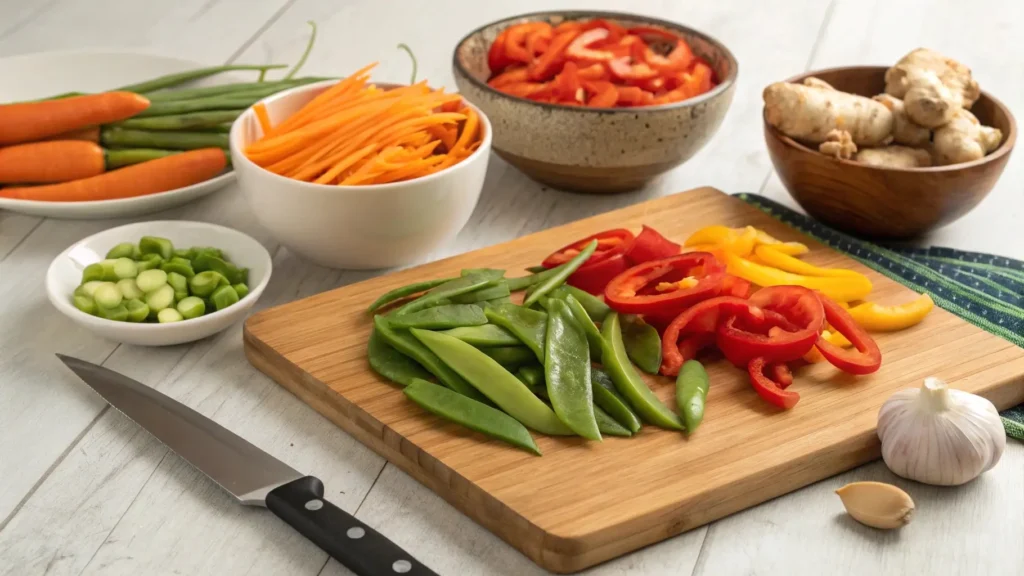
(595, 149)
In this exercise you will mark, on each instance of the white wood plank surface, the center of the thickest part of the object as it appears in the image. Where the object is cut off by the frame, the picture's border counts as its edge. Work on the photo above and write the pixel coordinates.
(84, 491)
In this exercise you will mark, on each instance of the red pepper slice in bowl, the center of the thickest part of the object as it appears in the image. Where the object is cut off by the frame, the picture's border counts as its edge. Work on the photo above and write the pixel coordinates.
(667, 286)
(694, 329)
(650, 245)
(794, 318)
(545, 66)
(580, 50)
(768, 389)
(864, 358)
(497, 59)
(680, 58)
(515, 42)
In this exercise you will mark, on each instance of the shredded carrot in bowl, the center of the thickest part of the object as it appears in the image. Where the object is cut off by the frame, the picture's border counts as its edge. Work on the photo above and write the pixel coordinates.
(356, 133)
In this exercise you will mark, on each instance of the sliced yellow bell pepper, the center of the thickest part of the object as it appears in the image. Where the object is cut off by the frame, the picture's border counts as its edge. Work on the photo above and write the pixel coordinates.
(770, 256)
(877, 318)
(789, 248)
(739, 242)
(839, 288)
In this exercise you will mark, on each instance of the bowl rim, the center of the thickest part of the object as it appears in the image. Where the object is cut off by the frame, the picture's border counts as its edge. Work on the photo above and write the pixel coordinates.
(236, 152)
(1009, 139)
(62, 303)
(723, 86)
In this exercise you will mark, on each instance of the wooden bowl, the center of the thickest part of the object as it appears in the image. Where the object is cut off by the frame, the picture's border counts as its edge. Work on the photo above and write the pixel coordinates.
(595, 149)
(893, 203)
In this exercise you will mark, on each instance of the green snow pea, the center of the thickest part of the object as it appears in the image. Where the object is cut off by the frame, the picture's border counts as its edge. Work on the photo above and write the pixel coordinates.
(492, 273)
(404, 291)
(537, 275)
(532, 374)
(643, 345)
(567, 371)
(484, 336)
(441, 293)
(535, 269)
(510, 356)
(691, 393)
(391, 363)
(564, 271)
(441, 317)
(628, 382)
(403, 341)
(595, 307)
(498, 384)
(594, 338)
(605, 423)
(607, 398)
(528, 325)
(608, 425)
(470, 413)
(499, 290)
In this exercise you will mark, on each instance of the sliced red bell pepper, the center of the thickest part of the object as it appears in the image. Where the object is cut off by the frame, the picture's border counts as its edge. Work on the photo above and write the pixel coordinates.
(545, 66)
(596, 71)
(614, 30)
(609, 243)
(515, 42)
(680, 58)
(781, 374)
(567, 84)
(528, 89)
(594, 276)
(735, 286)
(697, 81)
(666, 286)
(580, 50)
(802, 315)
(660, 33)
(569, 26)
(510, 76)
(634, 96)
(700, 319)
(864, 358)
(626, 68)
(650, 245)
(769, 389)
(538, 41)
(497, 59)
(653, 85)
(603, 94)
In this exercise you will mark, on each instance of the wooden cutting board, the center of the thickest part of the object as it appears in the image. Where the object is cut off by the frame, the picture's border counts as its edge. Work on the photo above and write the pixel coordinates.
(584, 502)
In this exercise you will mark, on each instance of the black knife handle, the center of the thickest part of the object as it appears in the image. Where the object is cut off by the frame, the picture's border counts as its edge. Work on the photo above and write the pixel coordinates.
(360, 548)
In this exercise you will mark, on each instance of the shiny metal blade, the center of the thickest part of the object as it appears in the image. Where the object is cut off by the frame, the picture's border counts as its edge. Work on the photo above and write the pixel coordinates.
(239, 467)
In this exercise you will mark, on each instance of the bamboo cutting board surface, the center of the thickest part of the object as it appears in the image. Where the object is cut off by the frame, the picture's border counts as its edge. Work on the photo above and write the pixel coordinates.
(583, 502)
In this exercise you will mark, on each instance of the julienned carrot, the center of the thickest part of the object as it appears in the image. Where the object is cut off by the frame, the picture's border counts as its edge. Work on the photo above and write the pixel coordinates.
(262, 116)
(65, 160)
(37, 120)
(159, 175)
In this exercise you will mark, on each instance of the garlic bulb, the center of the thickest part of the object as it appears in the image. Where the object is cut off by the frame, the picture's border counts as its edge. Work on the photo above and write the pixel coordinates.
(940, 436)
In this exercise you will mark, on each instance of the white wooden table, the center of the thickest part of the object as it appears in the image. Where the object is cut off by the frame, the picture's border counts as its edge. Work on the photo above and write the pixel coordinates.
(85, 491)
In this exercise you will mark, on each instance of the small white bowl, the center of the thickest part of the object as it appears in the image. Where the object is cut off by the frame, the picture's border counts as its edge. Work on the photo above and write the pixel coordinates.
(356, 227)
(65, 274)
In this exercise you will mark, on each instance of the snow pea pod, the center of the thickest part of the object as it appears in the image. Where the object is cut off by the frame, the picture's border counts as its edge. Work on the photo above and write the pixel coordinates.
(391, 363)
(492, 273)
(643, 345)
(499, 290)
(564, 271)
(628, 382)
(404, 342)
(535, 269)
(470, 413)
(404, 291)
(537, 276)
(527, 325)
(484, 336)
(510, 356)
(594, 338)
(691, 393)
(567, 371)
(441, 317)
(441, 293)
(532, 374)
(607, 398)
(498, 384)
(595, 307)
(608, 425)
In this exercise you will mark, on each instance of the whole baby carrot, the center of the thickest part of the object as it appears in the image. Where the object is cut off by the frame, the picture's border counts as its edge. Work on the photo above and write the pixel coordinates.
(32, 121)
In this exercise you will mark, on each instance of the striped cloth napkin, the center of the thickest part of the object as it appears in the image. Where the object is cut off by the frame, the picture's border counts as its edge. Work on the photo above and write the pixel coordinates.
(985, 290)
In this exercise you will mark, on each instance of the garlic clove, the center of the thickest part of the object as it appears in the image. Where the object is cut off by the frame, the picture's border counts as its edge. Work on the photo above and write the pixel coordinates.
(877, 504)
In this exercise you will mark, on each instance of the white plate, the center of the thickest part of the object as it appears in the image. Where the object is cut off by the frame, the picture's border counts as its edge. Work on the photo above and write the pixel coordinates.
(45, 74)
(65, 274)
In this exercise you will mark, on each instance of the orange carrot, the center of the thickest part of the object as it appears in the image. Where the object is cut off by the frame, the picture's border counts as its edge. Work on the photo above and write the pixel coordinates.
(30, 121)
(88, 134)
(150, 177)
(45, 162)
(261, 114)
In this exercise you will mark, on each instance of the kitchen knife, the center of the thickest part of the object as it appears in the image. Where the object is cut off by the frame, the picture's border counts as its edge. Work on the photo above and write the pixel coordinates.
(254, 477)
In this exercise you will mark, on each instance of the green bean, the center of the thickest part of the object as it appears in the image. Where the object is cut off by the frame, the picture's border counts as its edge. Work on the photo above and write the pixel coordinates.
(168, 315)
(607, 398)
(223, 297)
(498, 384)
(405, 343)
(138, 311)
(510, 356)
(181, 121)
(628, 382)
(499, 290)
(179, 266)
(391, 363)
(204, 283)
(404, 291)
(492, 273)
(524, 282)
(191, 307)
(118, 313)
(440, 294)
(114, 159)
(84, 303)
(151, 280)
(595, 307)
(530, 326)
(156, 245)
(484, 336)
(242, 289)
(130, 289)
(643, 344)
(305, 53)
(125, 268)
(594, 338)
(159, 299)
(564, 271)
(182, 77)
(229, 101)
(122, 250)
(441, 317)
(691, 393)
(470, 413)
(117, 137)
(108, 296)
(224, 89)
(608, 425)
(567, 371)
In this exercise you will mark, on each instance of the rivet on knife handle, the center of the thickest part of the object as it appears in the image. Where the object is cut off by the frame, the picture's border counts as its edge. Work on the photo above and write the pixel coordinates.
(358, 547)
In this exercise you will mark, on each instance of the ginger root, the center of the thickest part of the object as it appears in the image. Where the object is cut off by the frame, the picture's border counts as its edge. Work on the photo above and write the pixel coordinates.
(932, 86)
(964, 139)
(894, 157)
(839, 145)
(811, 113)
(904, 131)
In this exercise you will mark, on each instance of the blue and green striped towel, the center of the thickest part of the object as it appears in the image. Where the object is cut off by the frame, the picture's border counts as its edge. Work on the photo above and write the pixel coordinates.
(985, 290)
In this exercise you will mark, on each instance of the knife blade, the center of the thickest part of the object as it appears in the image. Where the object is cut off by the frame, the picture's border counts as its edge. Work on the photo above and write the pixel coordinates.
(249, 474)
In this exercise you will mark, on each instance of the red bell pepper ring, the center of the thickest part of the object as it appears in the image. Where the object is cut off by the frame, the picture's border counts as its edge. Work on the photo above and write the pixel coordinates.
(864, 358)
(678, 342)
(680, 58)
(546, 65)
(594, 276)
(735, 286)
(515, 42)
(609, 243)
(650, 245)
(604, 94)
(580, 49)
(769, 389)
(567, 84)
(666, 286)
(626, 68)
(781, 374)
(634, 96)
(497, 59)
(802, 319)
(615, 32)
(537, 42)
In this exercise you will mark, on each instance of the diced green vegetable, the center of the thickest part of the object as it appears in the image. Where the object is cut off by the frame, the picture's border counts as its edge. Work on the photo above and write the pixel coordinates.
(125, 268)
(177, 281)
(89, 288)
(162, 297)
(168, 315)
(122, 250)
(441, 317)
(108, 296)
(156, 245)
(93, 273)
(186, 253)
(118, 313)
(138, 311)
(205, 261)
(242, 289)
(129, 289)
(204, 283)
(148, 262)
(223, 297)
(84, 303)
(191, 307)
(151, 280)
(179, 266)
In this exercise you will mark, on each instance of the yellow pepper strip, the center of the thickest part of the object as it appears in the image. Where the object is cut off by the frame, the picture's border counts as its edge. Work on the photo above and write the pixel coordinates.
(839, 288)
(685, 283)
(877, 318)
(738, 242)
(772, 257)
(743, 244)
(788, 248)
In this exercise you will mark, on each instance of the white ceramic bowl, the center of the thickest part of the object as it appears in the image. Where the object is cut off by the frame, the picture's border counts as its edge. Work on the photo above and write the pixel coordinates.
(356, 227)
(65, 274)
